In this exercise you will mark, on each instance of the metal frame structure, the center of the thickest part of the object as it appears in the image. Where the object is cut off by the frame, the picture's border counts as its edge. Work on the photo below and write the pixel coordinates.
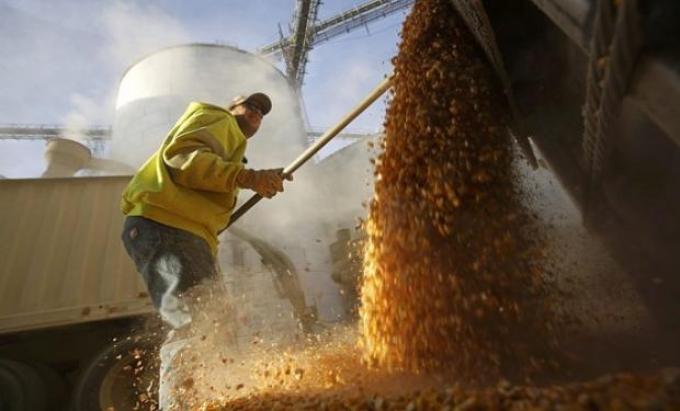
(98, 134)
(94, 137)
(46, 131)
(305, 36)
(300, 42)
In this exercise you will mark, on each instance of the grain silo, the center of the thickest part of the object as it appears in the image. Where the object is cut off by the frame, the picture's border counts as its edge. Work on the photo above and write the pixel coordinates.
(155, 91)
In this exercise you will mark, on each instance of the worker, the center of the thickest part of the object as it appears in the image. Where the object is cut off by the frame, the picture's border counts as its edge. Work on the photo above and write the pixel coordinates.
(179, 200)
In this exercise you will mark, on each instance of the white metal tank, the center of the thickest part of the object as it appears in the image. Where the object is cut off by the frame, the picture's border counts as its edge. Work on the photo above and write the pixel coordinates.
(155, 91)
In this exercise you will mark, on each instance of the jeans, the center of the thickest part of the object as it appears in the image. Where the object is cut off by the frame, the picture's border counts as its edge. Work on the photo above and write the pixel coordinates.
(174, 263)
(171, 261)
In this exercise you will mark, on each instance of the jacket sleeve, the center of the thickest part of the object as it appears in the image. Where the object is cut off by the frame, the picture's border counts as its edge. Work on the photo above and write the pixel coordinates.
(195, 157)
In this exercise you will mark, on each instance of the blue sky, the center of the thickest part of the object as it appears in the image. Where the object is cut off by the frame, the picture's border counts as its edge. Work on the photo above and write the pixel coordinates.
(62, 60)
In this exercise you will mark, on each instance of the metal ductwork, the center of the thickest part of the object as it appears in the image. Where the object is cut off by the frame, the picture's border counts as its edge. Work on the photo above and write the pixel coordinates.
(65, 157)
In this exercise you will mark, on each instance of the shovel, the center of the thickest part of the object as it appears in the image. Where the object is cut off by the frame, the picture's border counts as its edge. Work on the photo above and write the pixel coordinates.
(322, 141)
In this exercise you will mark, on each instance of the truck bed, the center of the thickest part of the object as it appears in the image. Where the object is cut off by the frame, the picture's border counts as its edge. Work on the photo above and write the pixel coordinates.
(62, 258)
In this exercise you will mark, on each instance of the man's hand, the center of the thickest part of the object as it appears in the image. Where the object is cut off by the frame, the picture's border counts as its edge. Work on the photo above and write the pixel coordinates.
(264, 182)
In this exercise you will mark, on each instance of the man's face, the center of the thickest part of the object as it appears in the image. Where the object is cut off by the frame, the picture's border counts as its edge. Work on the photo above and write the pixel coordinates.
(248, 117)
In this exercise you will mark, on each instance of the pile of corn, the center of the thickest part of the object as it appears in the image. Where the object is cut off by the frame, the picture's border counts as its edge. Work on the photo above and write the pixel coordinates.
(331, 375)
(452, 279)
(659, 391)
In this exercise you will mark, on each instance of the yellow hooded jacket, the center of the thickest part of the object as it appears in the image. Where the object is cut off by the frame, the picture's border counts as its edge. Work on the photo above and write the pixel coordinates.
(190, 182)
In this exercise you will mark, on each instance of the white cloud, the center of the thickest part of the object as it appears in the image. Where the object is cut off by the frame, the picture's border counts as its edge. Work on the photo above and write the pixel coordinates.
(134, 30)
(131, 31)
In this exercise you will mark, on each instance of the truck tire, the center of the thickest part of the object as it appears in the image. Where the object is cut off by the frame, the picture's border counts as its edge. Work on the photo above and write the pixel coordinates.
(22, 388)
(122, 376)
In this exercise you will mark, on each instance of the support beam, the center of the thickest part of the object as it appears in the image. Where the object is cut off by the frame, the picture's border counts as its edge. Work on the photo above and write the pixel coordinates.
(101, 135)
(295, 53)
(343, 23)
(44, 132)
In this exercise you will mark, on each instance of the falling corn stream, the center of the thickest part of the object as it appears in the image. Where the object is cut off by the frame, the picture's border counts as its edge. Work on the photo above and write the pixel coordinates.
(453, 269)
